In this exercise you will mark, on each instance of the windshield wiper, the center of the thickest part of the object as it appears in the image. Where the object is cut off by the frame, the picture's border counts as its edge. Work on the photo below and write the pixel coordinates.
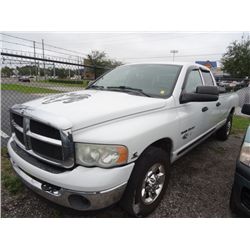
(128, 89)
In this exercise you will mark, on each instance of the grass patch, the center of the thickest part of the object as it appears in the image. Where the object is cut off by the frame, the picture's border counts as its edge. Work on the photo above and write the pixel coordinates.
(27, 89)
(240, 124)
(8, 177)
(67, 83)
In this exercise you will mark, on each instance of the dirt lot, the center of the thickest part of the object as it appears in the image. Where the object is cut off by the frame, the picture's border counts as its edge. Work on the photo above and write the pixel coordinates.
(200, 186)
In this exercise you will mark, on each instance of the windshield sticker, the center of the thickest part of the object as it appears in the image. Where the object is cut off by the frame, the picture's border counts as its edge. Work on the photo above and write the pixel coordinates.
(65, 98)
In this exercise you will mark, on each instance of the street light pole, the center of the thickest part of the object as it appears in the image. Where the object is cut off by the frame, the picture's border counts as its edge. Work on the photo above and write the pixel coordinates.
(174, 52)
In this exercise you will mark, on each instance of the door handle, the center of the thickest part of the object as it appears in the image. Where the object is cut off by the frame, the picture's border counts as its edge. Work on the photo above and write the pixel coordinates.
(204, 109)
(218, 104)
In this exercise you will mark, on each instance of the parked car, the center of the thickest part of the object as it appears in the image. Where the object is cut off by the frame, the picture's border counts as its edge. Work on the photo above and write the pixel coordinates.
(24, 79)
(240, 196)
(116, 140)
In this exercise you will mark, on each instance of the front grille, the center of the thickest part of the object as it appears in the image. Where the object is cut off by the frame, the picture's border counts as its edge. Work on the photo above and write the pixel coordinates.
(245, 197)
(46, 149)
(44, 142)
(18, 119)
(45, 130)
(19, 136)
(36, 162)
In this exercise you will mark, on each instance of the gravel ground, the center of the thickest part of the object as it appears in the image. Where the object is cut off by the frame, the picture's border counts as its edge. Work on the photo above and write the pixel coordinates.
(199, 186)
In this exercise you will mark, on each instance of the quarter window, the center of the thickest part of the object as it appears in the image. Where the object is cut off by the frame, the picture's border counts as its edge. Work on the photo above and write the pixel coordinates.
(193, 80)
(207, 78)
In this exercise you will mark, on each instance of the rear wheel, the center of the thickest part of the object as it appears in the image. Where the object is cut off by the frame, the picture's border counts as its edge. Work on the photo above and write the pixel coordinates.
(224, 132)
(148, 182)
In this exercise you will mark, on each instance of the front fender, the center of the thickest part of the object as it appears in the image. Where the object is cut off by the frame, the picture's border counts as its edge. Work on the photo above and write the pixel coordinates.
(136, 133)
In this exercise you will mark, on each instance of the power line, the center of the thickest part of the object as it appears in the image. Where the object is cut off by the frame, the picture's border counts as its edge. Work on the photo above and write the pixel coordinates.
(38, 55)
(29, 46)
(49, 45)
(20, 44)
(77, 53)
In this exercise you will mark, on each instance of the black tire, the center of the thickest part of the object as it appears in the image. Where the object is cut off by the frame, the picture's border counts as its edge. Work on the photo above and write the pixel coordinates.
(132, 200)
(233, 206)
(224, 132)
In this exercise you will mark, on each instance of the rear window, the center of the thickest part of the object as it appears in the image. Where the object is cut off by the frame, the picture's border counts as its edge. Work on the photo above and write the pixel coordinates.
(207, 78)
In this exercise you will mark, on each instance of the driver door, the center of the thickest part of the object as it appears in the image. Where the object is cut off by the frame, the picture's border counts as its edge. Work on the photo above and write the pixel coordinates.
(193, 116)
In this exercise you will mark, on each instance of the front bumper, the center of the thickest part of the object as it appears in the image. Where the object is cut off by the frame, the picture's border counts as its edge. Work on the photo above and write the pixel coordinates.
(241, 189)
(72, 188)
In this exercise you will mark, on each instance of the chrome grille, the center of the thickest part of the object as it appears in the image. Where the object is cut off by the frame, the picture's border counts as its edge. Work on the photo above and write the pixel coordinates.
(43, 141)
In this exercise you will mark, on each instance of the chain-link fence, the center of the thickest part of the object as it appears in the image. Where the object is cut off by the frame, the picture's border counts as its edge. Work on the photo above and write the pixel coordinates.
(24, 78)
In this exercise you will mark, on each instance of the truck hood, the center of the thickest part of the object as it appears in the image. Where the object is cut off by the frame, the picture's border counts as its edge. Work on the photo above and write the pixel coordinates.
(86, 108)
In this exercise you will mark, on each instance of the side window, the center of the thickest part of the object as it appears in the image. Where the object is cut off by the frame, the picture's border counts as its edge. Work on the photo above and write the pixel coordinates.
(207, 78)
(193, 80)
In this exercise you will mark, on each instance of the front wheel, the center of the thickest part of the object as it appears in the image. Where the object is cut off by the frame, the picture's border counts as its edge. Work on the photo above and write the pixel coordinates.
(148, 182)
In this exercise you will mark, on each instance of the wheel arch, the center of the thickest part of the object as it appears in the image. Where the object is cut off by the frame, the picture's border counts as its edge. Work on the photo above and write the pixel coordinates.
(232, 111)
(164, 143)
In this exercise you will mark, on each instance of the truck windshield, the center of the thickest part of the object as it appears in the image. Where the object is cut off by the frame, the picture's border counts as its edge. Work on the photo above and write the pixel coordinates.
(154, 80)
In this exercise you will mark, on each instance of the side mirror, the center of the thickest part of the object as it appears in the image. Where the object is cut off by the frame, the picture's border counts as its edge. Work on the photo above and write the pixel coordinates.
(202, 94)
(246, 109)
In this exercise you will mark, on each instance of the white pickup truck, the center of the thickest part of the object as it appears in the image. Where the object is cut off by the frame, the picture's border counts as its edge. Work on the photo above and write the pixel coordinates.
(116, 140)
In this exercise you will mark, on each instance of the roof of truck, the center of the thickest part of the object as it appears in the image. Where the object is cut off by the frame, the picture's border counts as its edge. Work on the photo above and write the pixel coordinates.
(187, 64)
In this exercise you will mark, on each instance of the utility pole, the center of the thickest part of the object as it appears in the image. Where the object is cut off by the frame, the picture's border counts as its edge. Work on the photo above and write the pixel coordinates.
(174, 52)
(34, 46)
(43, 61)
(54, 70)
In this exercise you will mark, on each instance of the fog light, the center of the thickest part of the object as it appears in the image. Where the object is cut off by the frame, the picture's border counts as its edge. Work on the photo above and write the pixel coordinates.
(54, 190)
(79, 202)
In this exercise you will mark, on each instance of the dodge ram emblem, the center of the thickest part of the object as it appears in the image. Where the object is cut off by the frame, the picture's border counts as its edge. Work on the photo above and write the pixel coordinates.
(65, 98)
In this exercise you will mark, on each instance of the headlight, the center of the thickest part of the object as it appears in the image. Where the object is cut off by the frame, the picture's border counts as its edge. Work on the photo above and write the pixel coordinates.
(245, 154)
(101, 155)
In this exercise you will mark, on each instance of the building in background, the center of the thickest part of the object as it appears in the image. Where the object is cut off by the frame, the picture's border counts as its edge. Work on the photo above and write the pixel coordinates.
(210, 64)
(215, 68)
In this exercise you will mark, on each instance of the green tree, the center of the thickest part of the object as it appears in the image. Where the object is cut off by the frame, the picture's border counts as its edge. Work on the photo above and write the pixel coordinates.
(236, 61)
(27, 70)
(101, 61)
(7, 71)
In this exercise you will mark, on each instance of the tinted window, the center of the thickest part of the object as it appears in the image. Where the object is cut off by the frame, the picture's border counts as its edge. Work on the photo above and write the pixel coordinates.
(207, 78)
(154, 79)
(193, 80)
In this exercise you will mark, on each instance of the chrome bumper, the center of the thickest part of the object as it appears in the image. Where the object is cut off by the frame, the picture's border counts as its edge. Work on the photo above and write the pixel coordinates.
(69, 198)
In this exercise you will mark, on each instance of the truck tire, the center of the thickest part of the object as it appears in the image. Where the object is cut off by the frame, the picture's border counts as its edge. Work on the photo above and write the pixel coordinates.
(147, 183)
(224, 132)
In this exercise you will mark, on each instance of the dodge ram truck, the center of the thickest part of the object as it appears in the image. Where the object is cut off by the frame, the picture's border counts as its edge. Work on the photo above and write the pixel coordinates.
(116, 140)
